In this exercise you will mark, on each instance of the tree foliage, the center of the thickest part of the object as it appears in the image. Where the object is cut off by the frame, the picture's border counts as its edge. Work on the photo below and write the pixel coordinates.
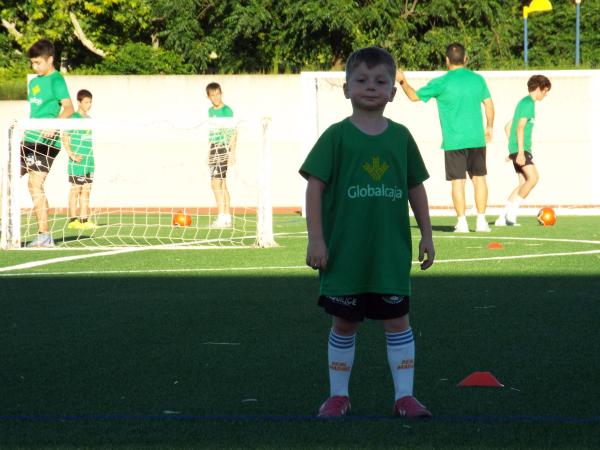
(274, 36)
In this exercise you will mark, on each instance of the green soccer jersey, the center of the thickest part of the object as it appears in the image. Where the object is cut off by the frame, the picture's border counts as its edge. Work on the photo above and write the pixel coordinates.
(365, 207)
(44, 95)
(81, 144)
(459, 94)
(525, 110)
(220, 136)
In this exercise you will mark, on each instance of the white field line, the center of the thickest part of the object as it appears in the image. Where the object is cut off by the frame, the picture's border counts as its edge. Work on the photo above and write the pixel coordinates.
(44, 262)
(255, 268)
(33, 264)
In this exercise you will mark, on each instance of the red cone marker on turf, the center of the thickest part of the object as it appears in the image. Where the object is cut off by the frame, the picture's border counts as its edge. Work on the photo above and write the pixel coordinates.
(495, 245)
(483, 379)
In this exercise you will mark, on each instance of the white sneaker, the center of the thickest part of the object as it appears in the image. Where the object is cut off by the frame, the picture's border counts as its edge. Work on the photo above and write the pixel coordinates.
(42, 240)
(500, 221)
(461, 227)
(222, 222)
(482, 226)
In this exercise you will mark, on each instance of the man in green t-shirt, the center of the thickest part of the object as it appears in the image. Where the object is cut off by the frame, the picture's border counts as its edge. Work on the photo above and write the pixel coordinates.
(518, 131)
(48, 98)
(78, 145)
(362, 174)
(221, 155)
(459, 94)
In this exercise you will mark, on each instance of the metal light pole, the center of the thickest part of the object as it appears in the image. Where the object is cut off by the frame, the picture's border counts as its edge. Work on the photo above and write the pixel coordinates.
(534, 6)
(577, 25)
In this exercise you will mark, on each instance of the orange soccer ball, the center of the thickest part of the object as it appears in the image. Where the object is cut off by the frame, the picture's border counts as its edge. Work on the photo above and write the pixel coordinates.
(181, 220)
(546, 217)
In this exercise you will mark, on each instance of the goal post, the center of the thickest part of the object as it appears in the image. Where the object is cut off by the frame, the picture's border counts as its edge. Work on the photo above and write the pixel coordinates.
(151, 186)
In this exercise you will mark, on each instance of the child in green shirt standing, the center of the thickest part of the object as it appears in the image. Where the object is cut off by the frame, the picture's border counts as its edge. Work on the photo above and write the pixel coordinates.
(78, 144)
(48, 98)
(362, 174)
(221, 155)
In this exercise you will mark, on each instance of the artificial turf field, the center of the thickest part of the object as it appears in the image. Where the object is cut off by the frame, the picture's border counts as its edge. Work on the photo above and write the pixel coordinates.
(225, 348)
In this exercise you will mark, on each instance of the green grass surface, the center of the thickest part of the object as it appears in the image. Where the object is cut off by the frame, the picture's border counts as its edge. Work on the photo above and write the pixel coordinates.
(227, 349)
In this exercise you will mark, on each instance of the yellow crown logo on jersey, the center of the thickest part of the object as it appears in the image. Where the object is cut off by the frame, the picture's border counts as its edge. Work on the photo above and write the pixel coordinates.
(376, 169)
(36, 89)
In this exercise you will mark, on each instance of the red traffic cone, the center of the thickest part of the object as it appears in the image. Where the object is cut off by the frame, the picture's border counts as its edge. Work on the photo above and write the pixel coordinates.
(495, 246)
(485, 379)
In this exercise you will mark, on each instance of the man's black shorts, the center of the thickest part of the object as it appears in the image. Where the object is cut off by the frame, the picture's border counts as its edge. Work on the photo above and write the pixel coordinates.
(528, 161)
(467, 160)
(37, 157)
(370, 305)
(218, 159)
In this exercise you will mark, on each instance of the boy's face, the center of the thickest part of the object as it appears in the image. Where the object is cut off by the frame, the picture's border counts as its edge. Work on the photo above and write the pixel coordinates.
(215, 97)
(42, 65)
(85, 105)
(370, 89)
(540, 94)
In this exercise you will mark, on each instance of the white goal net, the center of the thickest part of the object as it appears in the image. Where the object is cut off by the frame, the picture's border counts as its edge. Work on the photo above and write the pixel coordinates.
(151, 186)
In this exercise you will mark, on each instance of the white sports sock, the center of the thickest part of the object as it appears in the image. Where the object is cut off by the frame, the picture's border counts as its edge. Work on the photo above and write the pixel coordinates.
(401, 357)
(513, 210)
(461, 219)
(340, 353)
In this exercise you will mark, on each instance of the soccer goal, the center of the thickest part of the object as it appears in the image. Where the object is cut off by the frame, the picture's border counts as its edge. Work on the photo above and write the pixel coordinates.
(151, 186)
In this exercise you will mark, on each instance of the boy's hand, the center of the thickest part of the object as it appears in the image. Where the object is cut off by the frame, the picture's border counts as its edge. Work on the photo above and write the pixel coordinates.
(317, 254)
(48, 133)
(520, 160)
(75, 157)
(426, 247)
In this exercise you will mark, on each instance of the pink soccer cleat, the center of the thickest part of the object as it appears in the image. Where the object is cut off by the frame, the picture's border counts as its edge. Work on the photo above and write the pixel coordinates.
(336, 406)
(409, 406)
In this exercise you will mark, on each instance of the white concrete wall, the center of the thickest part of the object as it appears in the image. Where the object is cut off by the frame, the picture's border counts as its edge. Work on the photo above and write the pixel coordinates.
(566, 137)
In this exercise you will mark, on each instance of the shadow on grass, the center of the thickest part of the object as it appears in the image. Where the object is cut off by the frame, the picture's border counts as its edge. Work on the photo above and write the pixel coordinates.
(147, 349)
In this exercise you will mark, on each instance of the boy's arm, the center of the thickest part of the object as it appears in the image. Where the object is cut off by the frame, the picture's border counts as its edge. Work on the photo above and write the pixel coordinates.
(66, 143)
(507, 128)
(232, 147)
(417, 196)
(66, 112)
(407, 88)
(67, 108)
(316, 253)
(520, 160)
(488, 105)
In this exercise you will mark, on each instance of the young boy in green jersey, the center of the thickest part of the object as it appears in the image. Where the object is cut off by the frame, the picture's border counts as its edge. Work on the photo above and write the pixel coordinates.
(48, 98)
(221, 155)
(78, 145)
(518, 131)
(362, 174)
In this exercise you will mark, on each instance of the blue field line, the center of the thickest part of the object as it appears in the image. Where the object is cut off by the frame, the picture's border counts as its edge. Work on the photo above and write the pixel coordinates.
(282, 418)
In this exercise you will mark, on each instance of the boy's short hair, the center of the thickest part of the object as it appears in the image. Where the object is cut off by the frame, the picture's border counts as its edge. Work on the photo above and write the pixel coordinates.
(455, 53)
(371, 56)
(211, 87)
(538, 81)
(43, 47)
(83, 93)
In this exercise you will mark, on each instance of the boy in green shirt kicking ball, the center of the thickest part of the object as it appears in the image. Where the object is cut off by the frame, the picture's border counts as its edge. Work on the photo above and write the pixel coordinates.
(518, 131)
(362, 174)
(78, 144)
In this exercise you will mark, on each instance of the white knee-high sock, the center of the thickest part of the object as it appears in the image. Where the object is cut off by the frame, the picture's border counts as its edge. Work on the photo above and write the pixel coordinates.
(340, 352)
(401, 357)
